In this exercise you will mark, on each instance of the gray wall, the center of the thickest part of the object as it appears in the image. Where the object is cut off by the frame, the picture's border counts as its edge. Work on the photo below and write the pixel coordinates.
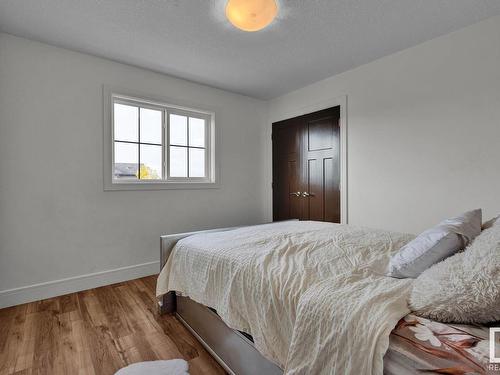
(56, 221)
(423, 130)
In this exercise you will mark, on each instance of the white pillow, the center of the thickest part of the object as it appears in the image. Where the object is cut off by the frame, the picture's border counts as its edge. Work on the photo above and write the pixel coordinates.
(464, 288)
(435, 245)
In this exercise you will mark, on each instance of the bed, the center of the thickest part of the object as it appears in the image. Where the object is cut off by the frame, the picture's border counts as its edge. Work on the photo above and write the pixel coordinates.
(306, 297)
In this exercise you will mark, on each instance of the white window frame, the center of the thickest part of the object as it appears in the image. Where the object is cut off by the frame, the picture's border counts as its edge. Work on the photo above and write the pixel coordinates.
(211, 163)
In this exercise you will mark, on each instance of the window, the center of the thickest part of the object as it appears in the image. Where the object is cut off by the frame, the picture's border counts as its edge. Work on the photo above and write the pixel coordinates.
(155, 145)
(187, 146)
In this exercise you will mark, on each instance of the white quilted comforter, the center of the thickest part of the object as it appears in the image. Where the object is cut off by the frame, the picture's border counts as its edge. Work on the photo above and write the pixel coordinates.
(312, 295)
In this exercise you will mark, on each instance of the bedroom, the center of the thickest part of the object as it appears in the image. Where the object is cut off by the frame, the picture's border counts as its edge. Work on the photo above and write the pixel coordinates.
(416, 87)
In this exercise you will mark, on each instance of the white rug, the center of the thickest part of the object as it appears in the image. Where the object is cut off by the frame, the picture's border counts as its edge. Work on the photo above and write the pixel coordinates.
(172, 367)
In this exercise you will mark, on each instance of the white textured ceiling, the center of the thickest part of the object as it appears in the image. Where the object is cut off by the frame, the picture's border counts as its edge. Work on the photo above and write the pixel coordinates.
(191, 39)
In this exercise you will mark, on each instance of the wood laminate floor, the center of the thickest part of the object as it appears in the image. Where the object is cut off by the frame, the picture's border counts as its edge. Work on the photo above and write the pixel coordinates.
(96, 331)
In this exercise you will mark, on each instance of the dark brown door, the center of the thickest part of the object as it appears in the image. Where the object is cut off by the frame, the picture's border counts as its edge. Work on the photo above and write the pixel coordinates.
(287, 184)
(306, 167)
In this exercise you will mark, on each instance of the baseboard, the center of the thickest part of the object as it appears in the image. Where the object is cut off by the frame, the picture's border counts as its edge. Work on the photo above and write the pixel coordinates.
(35, 292)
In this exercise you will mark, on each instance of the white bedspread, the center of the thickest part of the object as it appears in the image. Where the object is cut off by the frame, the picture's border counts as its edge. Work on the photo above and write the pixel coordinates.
(312, 295)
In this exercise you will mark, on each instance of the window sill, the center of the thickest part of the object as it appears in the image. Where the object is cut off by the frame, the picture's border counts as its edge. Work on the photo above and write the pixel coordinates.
(161, 185)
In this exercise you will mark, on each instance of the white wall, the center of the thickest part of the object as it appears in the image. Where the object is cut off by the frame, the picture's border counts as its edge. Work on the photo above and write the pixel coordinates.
(56, 221)
(423, 130)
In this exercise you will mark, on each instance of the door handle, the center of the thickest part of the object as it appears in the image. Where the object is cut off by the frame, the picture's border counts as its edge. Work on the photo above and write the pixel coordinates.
(305, 194)
(296, 194)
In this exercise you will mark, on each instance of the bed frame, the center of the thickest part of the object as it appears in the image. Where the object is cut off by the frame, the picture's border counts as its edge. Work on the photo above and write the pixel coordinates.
(233, 350)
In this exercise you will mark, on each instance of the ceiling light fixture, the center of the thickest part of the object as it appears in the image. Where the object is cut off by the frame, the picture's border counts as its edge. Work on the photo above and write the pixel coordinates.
(251, 15)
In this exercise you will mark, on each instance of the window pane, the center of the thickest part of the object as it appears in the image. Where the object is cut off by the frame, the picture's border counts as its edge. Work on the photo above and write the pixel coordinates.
(150, 126)
(126, 159)
(178, 130)
(196, 162)
(150, 162)
(196, 132)
(178, 161)
(126, 126)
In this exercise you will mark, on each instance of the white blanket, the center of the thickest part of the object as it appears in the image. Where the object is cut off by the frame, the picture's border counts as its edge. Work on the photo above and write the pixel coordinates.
(312, 295)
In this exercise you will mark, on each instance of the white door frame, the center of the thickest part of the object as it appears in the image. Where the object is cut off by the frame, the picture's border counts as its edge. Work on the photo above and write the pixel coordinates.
(324, 104)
